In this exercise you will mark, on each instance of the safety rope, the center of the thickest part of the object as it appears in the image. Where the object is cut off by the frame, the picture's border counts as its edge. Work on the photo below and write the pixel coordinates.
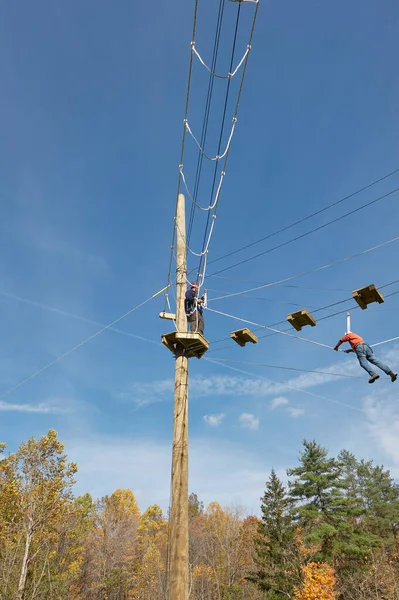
(211, 206)
(218, 156)
(205, 251)
(202, 267)
(229, 75)
(190, 72)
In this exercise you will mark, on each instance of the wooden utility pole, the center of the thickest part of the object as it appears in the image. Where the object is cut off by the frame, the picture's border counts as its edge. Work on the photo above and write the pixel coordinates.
(178, 568)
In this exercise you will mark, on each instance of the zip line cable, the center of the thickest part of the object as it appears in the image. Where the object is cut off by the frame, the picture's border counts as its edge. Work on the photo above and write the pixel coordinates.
(311, 271)
(318, 212)
(284, 384)
(82, 343)
(303, 235)
(241, 362)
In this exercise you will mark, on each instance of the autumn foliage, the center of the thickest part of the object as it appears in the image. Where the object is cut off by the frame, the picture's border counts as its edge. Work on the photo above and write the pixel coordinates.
(319, 583)
(331, 534)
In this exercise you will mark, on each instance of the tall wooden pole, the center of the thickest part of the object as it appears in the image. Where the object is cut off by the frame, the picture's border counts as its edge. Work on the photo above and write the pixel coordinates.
(178, 569)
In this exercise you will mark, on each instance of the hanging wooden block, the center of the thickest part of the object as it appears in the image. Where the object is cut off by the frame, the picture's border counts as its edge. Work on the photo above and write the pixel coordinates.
(301, 319)
(165, 315)
(367, 295)
(242, 336)
(194, 343)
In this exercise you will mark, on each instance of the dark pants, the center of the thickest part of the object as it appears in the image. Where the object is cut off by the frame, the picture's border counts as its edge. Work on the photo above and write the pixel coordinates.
(365, 354)
(196, 322)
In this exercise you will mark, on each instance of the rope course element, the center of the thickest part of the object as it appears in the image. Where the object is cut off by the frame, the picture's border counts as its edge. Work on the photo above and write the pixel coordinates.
(356, 307)
(205, 251)
(82, 343)
(202, 264)
(303, 219)
(214, 199)
(190, 72)
(217, 157)
(211, 206)
(204, 133)
(311, 271)
(271, 329)
(229, 75)
(287, 385)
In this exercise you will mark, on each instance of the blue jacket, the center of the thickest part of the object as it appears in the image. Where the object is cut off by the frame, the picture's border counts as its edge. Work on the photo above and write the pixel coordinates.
(189, 304)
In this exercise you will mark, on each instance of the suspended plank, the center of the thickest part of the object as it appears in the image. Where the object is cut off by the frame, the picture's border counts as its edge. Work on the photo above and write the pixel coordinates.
(242, 336)
(367, 295)
(165, 315)
(301, 319)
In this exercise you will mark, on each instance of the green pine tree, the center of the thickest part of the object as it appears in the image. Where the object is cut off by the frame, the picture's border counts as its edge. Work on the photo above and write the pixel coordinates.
(327, 509)
(277, 556)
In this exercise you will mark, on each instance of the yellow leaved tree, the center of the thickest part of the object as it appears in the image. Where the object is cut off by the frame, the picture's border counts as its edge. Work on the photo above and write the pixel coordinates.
(35, 486)
(318, 582)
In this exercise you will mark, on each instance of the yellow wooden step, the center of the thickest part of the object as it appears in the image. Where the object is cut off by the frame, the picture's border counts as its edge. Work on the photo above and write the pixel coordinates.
(367, 295)
(300, 319)
(242, 336)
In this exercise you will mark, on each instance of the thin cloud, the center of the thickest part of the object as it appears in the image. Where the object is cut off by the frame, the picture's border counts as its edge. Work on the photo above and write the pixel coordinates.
(248, 421)
(41, 408)
(214, 420)
(279, 401)
(143, 394)
(295, 412)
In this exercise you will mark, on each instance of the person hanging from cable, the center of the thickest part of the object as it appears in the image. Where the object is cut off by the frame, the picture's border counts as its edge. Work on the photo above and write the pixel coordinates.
(365, 355)
(194, 307)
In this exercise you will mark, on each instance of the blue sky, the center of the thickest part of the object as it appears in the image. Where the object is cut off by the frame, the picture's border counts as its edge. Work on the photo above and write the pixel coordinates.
(91, 113)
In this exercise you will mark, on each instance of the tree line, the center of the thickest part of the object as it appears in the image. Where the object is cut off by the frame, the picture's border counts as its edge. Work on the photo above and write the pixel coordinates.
(330, 533)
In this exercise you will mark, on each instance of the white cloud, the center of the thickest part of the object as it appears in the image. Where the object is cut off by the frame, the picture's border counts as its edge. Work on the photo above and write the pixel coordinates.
(279, 401)
(144, 394)
(31, 408)
(258, 386)
(220, 470)
(295, 412)
(214, 420)
(248, 421)
(382, 412)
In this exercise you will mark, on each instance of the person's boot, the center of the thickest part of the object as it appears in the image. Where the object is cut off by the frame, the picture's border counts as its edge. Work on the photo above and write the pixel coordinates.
(374, 377)
(394, 376)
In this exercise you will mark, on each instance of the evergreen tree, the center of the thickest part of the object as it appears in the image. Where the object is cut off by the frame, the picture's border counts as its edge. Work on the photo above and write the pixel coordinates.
(277, 556)
(325, 510)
